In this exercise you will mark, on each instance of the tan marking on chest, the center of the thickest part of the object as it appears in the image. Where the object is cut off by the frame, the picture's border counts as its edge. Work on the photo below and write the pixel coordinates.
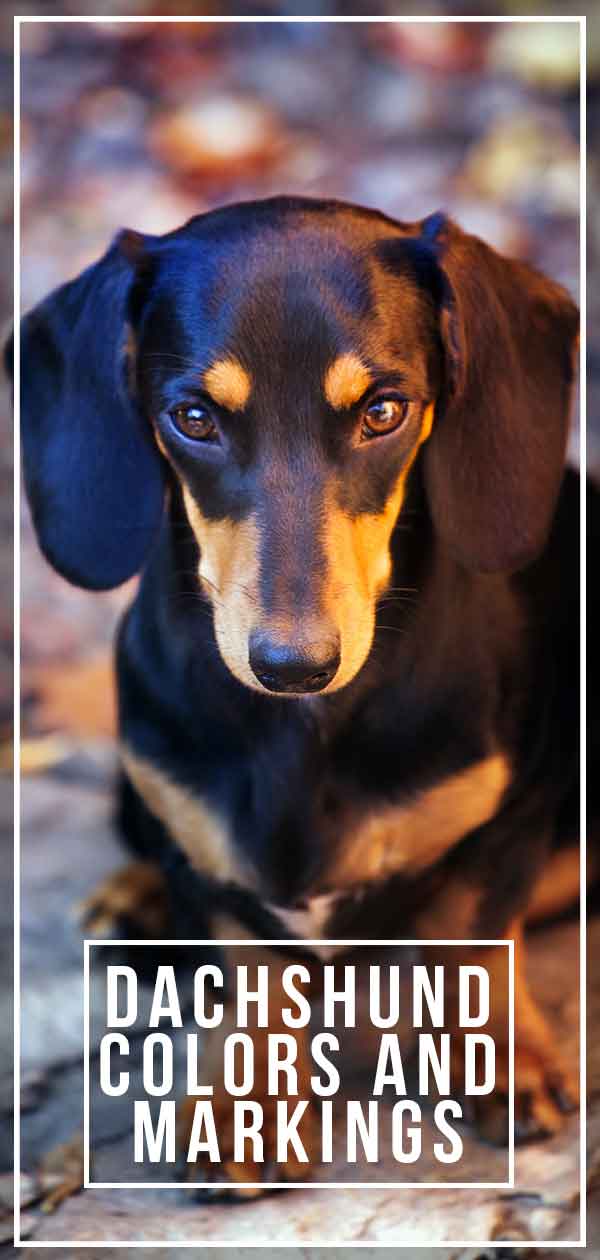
(308, 922)
(228, 383)
(197, 829)
(346, 380)
(412, 836)
(452, 913)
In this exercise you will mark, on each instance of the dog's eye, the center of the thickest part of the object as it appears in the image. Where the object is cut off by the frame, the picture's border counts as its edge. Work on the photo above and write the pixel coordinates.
(383, 416)
(195, 422)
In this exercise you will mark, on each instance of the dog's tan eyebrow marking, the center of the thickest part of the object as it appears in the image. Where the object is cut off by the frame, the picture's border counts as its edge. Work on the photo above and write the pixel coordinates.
(228, 383)
(346, 380)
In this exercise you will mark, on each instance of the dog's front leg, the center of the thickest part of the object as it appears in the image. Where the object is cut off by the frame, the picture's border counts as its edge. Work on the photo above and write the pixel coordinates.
(237, 1168)
(545, 1088)
(132, 901)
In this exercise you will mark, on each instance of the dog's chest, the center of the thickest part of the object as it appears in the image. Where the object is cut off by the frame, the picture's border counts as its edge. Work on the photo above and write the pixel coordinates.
(380, 841)
(309, 921)
(304, 854)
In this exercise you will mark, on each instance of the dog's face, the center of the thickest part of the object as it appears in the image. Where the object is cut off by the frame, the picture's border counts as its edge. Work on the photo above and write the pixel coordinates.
(280, 364)
(290, 377)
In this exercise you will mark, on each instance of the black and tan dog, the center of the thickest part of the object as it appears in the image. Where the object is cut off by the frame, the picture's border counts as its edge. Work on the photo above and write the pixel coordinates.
(333, 444)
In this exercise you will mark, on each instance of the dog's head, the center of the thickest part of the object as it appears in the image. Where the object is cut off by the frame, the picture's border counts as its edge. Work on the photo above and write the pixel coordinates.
(280, 364)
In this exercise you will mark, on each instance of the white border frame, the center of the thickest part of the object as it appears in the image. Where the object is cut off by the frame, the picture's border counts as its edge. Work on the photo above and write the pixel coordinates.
(302, 1185)
(581, 22)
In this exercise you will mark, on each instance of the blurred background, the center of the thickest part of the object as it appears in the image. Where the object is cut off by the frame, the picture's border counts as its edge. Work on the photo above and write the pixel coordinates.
(143, 125)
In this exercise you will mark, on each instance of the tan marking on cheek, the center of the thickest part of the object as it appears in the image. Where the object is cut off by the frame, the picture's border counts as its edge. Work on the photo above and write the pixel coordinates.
(427, 424)
(198, 829)
(228, 383)
(161, 446)
(346, 380)
(359, 567)
(412, 836)
(229, 575)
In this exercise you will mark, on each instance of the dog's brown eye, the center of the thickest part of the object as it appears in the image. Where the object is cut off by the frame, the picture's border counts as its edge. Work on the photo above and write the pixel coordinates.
(383, 416)
(195, 422)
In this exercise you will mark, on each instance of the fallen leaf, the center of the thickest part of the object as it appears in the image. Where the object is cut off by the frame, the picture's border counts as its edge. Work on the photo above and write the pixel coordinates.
(61, 1172)
(78, 699)
(220, 136)
(38, 755)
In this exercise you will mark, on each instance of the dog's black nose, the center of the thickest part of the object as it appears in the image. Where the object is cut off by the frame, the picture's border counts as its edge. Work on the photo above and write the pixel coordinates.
(286, 667)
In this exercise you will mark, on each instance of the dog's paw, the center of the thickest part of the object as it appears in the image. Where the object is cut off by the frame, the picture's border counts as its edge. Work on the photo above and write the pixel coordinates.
(132, 902)
(232, 1180)
(546, 1093)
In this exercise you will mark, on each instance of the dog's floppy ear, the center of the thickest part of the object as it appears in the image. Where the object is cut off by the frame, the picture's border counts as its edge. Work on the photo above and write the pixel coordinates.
(93, 475)
(494, 462)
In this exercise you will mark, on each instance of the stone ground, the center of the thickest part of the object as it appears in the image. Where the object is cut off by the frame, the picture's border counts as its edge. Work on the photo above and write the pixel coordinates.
(68, 845)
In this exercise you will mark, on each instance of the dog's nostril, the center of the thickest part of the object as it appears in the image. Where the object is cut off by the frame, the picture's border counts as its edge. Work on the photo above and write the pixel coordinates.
(285, 667)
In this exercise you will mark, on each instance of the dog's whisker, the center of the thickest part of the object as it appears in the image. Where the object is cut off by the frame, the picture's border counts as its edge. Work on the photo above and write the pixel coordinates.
(391, 601)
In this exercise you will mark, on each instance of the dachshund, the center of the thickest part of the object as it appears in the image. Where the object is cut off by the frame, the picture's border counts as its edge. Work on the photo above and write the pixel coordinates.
(333, 446)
